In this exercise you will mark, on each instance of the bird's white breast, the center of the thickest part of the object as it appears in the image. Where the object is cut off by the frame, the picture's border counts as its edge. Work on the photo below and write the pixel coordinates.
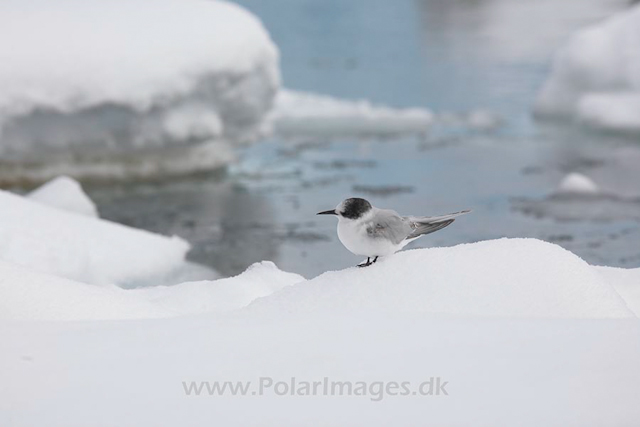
(353, 235)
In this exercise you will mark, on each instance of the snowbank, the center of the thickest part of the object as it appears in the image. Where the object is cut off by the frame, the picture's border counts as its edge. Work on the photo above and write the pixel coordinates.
(626, 282)
(219, 296)
(300, 114)
(95, 78)
(28, 295)
(500, 278)
(508, 277)
(374, 326)
(65, 193)
(499, 372)
(595, 76)
(77, 247)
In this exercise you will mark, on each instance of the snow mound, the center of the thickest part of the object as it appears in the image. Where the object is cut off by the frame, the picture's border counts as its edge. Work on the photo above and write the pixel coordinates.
(77, 247)
(626, 282)
(219, 296)
(65, 193)
(28, 295)
(576, 183)
(595, 76)
(301, 114)
(507, 277)
(96, 79)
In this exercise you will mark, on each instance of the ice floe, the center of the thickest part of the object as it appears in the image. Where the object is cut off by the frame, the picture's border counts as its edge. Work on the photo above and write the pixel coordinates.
(96, 79)
(594, 78)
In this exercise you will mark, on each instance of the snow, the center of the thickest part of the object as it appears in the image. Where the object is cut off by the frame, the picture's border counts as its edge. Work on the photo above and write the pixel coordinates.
(97, 79)
(507, 277)
(532, 279)
(627, 284)
(300, 114)
(611, 111)
(576, 183)
(77, 247)
(595, 76)
(524, 372)
(65, 193)
(511, 323)
(219, 296)
(28, 295)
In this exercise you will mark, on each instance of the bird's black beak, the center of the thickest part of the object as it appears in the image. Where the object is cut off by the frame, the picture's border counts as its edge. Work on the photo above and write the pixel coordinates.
(331, 212)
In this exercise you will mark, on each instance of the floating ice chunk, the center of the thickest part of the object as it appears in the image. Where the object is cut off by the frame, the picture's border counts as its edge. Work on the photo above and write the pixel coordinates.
(507, 277)
(140, 164)
(89, 250)
(576, 183)
(65, 193)
(193, 122)
(611, 111)
(483, 120)
(578, 198)
(309, 114)
(99, 81)
(595, 76)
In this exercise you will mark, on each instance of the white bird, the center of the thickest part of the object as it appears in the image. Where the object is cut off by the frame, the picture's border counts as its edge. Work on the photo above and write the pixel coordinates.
(368, 231)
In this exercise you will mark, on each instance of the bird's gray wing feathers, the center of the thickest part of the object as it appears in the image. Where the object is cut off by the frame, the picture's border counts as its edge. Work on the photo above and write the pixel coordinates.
(387, 224)
(428, 224)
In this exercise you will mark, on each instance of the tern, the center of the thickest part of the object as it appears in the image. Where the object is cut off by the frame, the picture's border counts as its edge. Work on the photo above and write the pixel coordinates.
(372, 232)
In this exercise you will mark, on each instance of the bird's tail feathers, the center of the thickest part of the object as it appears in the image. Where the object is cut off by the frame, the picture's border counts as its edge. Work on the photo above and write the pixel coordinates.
(430, 224)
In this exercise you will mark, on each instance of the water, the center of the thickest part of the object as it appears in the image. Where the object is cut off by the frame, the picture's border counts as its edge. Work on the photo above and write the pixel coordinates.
(448, 55)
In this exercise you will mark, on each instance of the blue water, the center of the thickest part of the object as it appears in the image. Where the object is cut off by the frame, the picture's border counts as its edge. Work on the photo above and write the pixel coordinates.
(446, 55)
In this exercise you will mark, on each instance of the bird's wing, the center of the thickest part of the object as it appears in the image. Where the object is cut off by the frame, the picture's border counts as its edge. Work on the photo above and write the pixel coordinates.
(428, 224)
(387, 224)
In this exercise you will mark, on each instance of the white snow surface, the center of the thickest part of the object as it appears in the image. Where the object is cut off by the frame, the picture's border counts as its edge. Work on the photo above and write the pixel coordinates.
(507, 277)
(502, 372)
(577, 183)
(299, 114)
(123, 76)
(627, 282)
(595, 77)
(28, 295)
(77, 247)
(483, 317)
(219, 296)
(65, 193)
(499, 278)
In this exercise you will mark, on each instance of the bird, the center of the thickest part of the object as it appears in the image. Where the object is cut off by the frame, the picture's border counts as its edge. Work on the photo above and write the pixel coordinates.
(372, 232)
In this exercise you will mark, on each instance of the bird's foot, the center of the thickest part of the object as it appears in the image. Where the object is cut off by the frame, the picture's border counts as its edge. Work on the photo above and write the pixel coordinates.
(368, 263)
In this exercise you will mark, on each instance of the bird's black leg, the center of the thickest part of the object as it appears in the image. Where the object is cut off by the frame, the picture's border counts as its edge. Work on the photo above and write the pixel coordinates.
(374, 260)
(365, 264)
